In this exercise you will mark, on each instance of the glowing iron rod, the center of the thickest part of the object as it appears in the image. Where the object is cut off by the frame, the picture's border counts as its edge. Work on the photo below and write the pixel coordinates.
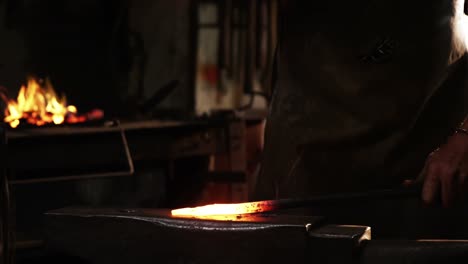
(275, 205)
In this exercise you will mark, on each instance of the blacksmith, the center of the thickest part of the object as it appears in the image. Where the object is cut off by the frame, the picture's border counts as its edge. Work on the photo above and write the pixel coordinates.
(364, 92)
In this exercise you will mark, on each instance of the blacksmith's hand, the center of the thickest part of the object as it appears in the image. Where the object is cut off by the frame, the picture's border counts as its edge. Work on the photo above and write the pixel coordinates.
(445, 174)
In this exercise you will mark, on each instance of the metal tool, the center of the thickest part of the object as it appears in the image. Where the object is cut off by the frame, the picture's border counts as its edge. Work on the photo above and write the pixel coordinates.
(401, 193)
(160, 95)
(283, 204)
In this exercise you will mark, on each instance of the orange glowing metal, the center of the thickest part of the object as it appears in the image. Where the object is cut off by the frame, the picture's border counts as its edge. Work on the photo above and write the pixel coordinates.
(220, 210)
(38, 104)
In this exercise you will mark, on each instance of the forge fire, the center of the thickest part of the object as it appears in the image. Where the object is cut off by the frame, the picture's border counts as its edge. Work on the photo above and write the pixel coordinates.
(38, 104)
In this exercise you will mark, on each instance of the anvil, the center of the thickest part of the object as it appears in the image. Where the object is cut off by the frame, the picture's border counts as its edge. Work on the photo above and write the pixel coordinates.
(154, 236)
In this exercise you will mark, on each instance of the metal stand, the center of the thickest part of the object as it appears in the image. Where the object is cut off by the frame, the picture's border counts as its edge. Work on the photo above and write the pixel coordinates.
(129, 171)
(6, 238)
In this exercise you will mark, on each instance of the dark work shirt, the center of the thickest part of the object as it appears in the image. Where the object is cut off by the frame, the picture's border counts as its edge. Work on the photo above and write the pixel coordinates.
(365, 90)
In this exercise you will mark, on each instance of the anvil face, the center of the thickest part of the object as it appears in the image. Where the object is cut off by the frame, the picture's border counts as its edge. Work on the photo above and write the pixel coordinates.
(153, 236)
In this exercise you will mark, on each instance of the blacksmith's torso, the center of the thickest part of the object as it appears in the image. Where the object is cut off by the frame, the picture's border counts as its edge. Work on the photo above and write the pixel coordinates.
(365, 90)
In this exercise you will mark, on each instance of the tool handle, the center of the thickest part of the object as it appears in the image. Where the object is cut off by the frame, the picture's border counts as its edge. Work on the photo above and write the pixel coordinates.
(354, 197)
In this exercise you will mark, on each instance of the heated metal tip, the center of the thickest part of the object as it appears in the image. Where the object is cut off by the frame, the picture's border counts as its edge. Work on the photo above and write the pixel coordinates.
(223, 210)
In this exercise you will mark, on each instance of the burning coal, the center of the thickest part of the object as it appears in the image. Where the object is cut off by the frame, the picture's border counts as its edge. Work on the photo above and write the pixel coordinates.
(38, 104)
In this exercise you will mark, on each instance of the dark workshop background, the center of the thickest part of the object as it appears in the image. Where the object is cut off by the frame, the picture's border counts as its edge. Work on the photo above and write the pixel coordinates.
(92, 50)
(115, 54)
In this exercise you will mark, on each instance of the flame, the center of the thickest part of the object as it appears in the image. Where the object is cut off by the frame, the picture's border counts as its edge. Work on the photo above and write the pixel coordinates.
(38, 104)
(223, 211)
